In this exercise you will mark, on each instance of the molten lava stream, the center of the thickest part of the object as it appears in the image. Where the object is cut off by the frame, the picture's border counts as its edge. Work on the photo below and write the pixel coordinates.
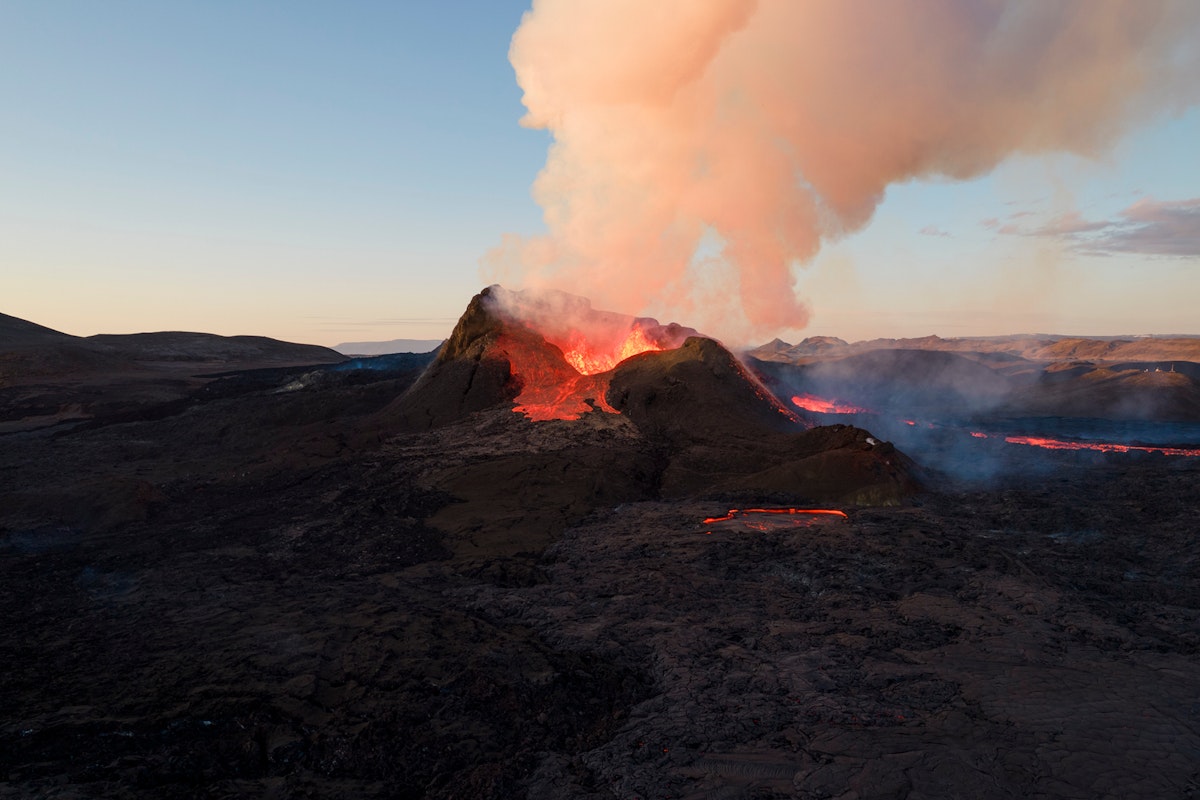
(1102, 447)
(736, 513)
(587, 359)
(566, 399)
(819, 405)
(554, 390)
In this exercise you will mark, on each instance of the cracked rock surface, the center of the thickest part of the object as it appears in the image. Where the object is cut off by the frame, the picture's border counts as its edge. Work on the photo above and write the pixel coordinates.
(266, 594)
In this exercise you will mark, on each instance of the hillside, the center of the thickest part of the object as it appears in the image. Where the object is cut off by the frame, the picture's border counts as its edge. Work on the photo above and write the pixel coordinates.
(48, 377)
(16, 332)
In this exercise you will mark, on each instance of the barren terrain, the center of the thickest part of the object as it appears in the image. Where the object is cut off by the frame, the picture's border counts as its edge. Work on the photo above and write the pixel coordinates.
(1152, 378)
(293, 593)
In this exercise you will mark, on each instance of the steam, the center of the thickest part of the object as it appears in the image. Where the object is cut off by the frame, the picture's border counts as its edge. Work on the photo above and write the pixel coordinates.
(569, 322)
(758, 130)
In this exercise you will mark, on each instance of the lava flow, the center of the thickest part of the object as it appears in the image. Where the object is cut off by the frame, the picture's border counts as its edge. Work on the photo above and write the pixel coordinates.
(587, 359)
(556, 390)
(1101, 447)
(798, 517)
(819, 405)
(561, 351)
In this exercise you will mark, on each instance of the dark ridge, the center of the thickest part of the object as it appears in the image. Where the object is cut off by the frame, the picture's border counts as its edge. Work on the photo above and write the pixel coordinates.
(16, 332)
(187, 346)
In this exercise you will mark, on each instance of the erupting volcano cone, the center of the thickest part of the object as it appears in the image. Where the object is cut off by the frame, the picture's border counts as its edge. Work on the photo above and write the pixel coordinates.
(550, 353)
(711, 424)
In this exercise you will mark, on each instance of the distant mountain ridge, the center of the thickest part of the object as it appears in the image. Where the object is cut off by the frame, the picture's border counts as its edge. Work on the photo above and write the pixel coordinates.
(189, 346)
(47, 376)
(20, 336)
(1140, 378)
(1032, 347)
(388, 347)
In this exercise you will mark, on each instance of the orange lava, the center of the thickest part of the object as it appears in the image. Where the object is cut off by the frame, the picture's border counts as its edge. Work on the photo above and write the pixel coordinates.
(575, 385)
(588, 359)
(567, 399)
(1103, 447)
(810, 402)
(735, 513)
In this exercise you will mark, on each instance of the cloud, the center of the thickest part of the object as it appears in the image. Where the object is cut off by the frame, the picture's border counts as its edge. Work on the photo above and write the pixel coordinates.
(1006, 226)
(1148, 227)
(1069, 224)
(773, 126)
(934, 230)
(1156, 228)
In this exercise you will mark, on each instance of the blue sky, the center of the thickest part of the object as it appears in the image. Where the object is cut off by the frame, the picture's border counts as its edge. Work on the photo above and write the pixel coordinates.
(935, 259)
(324, 173)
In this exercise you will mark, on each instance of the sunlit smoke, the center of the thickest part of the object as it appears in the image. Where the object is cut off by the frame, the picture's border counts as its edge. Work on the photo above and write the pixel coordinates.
(761, 129)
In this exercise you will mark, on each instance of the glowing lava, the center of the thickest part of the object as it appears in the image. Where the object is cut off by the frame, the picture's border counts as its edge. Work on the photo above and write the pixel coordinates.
(819, 405)
(567, 399)
(570, 387)
(1102, 447)
(746, 516)
(587, 359)
(560, 351)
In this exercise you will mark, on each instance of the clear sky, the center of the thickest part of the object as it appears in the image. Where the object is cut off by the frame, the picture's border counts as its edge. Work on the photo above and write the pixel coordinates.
(326, 172)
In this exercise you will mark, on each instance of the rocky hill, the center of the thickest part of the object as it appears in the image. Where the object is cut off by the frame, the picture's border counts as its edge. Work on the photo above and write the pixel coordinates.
(48, 377)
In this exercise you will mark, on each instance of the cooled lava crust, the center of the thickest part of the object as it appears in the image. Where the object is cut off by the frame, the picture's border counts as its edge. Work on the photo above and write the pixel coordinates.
(292, 584)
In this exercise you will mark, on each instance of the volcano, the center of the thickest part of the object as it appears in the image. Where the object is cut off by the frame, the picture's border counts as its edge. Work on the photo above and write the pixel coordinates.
(702, 418)
(551, 353)
(575, 554)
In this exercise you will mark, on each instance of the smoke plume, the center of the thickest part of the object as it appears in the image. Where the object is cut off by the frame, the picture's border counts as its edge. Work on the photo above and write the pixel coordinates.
(768, 127)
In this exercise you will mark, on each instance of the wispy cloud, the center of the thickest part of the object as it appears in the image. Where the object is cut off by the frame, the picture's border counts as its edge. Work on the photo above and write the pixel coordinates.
(934, 230)
(1070, 224)
(1148, 227)
(1167, 228)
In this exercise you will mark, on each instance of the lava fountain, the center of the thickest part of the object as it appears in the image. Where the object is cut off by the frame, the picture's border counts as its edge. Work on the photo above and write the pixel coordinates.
(583, 355)
(563, 351)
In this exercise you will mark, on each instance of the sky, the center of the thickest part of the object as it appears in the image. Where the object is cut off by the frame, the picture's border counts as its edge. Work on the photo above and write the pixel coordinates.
(323, 173)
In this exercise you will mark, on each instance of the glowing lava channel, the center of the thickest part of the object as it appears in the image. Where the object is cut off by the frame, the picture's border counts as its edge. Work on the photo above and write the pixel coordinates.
(818, 405)
(743, 514)
(1100, 447)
